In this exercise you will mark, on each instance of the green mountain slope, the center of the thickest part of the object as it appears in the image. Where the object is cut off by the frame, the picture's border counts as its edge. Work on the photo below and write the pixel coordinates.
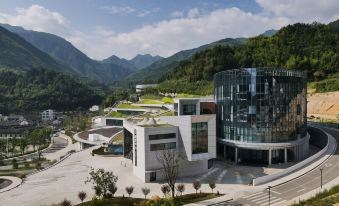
(310, 47)
(39, 89)
(65, 52)
(18, 54)
(162, 67)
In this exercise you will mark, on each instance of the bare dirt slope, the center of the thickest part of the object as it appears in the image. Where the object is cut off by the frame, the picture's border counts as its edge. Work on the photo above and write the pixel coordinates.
(323, 105)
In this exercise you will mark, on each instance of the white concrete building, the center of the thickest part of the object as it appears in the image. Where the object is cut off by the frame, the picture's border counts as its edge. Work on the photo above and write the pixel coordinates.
(48, 115)
(141, 87)
(192, 136)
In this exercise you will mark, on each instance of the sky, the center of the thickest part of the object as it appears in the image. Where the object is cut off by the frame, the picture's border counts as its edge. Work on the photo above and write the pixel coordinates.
(125, 28)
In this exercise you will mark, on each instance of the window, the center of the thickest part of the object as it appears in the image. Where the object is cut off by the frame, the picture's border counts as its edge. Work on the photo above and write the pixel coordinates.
(114, 122)
(210, 163)
(162, 136)
(153, 176)
(163, 146)
(189, 109)
(199, 137)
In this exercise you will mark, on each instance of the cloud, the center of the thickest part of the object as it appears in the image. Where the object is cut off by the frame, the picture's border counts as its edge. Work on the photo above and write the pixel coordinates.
(184, 31)
(302, 10)
(127, 10)
(37, 18)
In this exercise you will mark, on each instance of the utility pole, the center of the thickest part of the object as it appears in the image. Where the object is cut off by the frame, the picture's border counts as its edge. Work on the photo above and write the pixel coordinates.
(269, 195)
(321, 178)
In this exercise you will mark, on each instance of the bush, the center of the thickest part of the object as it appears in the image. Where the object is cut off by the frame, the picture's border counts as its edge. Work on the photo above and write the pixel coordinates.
(129, 190)
(27, 165)
(180, 188)
(196, 186)
(65, 202)
(165, 189)
(82, 195)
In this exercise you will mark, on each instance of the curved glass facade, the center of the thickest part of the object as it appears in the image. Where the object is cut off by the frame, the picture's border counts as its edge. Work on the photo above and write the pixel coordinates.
(261, 105)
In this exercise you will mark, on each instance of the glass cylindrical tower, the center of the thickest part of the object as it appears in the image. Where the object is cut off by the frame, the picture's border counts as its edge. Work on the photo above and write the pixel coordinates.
(259, 107)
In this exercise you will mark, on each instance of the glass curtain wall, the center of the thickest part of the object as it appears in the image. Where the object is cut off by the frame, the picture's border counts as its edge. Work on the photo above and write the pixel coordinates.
(261, 105)
(199, 137)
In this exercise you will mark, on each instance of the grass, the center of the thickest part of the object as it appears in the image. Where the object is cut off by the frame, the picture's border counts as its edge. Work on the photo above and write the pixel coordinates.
(167, 100)
(117, 114)
(129, 201)
(330, 84)
(151, 96)
(128, 106)
(169, 113)
(156, 125)
(149, 101)
(328, 197)
(183, 95)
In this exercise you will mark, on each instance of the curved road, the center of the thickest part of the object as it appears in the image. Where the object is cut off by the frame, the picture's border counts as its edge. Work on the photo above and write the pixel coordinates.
(282, 193)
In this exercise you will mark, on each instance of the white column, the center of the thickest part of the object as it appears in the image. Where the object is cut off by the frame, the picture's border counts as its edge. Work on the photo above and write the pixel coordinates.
(236, 156)
(269, 157)
(285, 153)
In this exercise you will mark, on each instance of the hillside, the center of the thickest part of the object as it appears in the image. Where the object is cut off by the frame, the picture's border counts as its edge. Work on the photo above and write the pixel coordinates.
(310, 47)
(18, 54)
(323, 105)
(39, 89)
(65, 52)
(162, 67)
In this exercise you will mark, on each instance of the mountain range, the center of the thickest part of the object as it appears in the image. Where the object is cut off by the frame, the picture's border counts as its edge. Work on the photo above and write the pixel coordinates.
(72, 60)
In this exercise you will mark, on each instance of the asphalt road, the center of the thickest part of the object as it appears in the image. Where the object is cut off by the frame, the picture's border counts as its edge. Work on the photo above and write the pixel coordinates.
(306, 183)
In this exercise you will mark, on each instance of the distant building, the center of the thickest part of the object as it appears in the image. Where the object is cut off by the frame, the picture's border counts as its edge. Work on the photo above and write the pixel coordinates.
(48, 115)
(141, 87)
(94, 108)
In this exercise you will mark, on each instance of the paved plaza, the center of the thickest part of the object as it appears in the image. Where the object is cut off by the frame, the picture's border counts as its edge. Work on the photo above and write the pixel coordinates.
(66, 179)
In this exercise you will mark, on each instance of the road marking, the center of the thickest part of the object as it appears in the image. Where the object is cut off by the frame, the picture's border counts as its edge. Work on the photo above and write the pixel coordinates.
(328, 165)
(266, 203)
(278, 193)
(252, 195)
(301, 190)
(219, 179)
(260, 198)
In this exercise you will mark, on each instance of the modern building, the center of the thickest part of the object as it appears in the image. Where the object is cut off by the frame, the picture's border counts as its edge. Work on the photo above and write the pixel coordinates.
(191, 134)
(261, 115)
(141, 87)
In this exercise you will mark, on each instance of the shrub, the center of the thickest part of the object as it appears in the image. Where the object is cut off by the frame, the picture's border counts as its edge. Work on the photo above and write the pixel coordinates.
(15, 165)
(129, 190)
(145, 191)
(82, 195)
(103, 181)
(165, 189)
(65, 202)
(26, 165)
(112, 188)
(196, 186)
(212, 185)
(180, 188)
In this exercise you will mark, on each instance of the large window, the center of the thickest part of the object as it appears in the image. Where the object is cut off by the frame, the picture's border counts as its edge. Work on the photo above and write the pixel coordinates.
(162, 136)
(163, 146)
(199, 137)
(189, 109)
(114, 122)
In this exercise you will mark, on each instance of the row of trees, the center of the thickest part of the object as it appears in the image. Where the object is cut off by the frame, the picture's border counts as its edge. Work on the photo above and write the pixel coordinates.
(38, 139)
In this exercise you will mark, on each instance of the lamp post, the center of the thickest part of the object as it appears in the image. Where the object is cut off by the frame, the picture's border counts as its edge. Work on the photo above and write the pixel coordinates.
(269, 195)
(321, 178)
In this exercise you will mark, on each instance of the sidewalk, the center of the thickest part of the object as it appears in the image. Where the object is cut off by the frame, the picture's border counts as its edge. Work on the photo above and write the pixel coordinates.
(56, 155)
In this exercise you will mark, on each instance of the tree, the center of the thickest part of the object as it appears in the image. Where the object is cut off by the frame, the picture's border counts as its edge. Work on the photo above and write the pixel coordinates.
(196, 186)
(65, 202)
(212, 185)
(165, 189)
(129, 190)
(145, 191)
(82, 195)
(103, 181)
(170, 161)
(23, 144)
(180, 188)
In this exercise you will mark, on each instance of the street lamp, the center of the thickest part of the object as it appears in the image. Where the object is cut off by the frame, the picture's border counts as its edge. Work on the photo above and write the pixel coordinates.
(321, 178)
(269, 195)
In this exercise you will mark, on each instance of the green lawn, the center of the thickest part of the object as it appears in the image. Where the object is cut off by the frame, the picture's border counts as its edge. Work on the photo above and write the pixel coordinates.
(167, 100)
(149, 101)
(169, 113)
(117, 114)
(128, 106)
(151, 96)
(126, 201)
(330, 197)
(183, 95)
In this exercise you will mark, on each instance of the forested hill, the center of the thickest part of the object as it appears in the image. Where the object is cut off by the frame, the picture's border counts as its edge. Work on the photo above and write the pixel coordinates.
(39, 89)
(310, 47)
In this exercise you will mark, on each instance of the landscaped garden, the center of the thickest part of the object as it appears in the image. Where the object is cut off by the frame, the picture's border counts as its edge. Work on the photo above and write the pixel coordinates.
(128, 106)
(118, 114)
(328, 197)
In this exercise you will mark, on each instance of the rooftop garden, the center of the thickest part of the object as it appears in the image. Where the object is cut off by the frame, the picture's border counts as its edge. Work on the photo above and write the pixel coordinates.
(117, 114)
(151, 96)
(128, 106)
(149, 101)
(156, 125)
(183, 95)
(167, 100)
